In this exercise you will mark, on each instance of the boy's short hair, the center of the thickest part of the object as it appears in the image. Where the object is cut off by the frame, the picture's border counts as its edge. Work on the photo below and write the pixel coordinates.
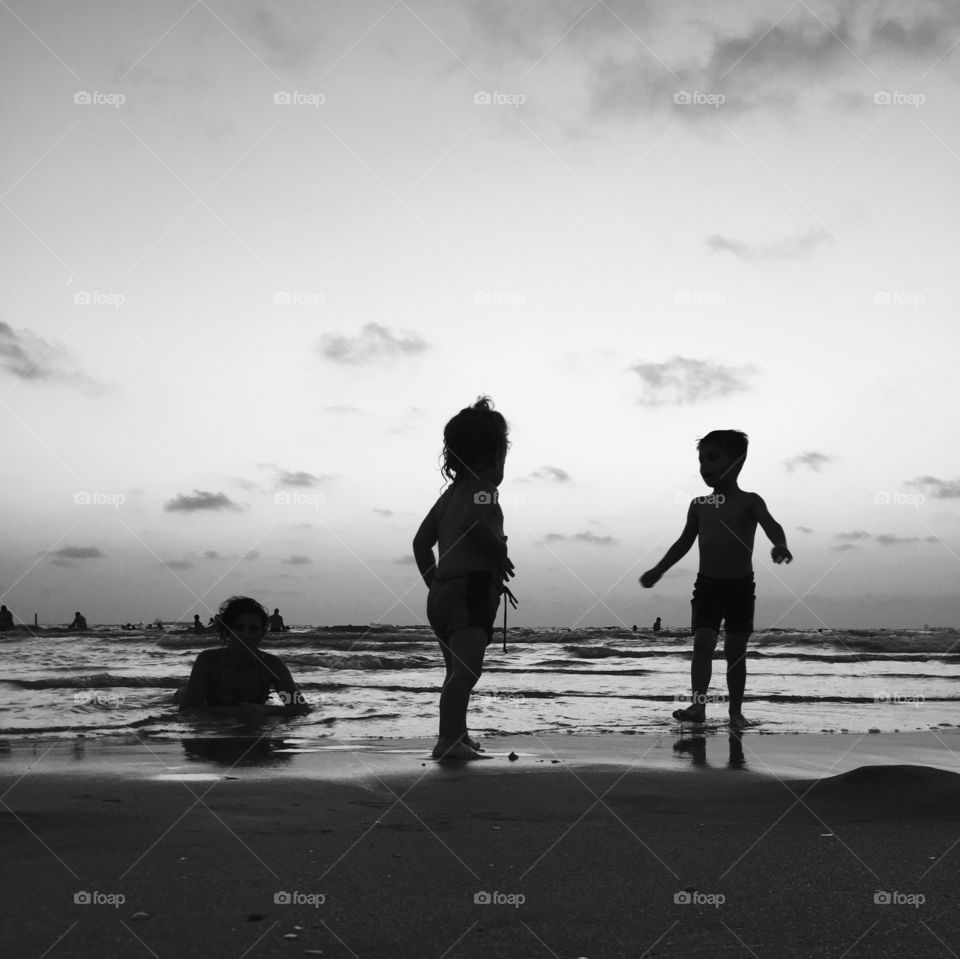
(732, 442)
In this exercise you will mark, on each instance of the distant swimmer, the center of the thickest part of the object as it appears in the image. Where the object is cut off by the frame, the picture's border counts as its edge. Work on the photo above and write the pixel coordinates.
(79, 622)
(237, 678)
(197, 625)
(276, 622)
(656, 625)
(6, 618)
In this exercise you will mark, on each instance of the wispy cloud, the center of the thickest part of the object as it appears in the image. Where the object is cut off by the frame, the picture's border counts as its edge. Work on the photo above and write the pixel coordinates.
(586, 537)
(811, 459)
(680, 381)
(805, 529)
(853, 535)
(200, 500)
(383, 512)
(937, 488)
(789, 248)
(551, 473)
(33, 359)
(78, 552)
(887, 539)
(374, 342)
(178, 564)
(298, 559)
(211, 554)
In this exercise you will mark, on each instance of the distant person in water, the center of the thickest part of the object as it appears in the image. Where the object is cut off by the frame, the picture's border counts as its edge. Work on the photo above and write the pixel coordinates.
(197, 625)
(237, 678)
(724, 523)
(656, 625)
(79, 622)
(276, 622)
(6, 618)
(465, 583)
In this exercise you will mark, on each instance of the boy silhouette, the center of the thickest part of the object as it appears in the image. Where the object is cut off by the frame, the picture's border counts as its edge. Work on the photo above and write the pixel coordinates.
(724, 524)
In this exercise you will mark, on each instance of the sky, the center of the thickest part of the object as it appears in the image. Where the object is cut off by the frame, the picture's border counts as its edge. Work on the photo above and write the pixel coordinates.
(256, 256)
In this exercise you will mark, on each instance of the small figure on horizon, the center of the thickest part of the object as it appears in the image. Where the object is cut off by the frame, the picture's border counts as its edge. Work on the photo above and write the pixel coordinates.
(237, 678)
(656, 625)
(276, 622)
(79, 621)
(197, 625)
(466, 524)
(6, 619)
(724, 523)
(634, 627)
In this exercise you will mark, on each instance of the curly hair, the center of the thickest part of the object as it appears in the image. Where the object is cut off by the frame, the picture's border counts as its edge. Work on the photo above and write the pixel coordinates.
(473, 439)
(232, 609)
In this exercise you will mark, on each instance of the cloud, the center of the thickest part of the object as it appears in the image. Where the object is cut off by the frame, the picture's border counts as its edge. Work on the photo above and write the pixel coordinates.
(552, 473)
(937, 488)
(680, 381)
(345, 409)
(211, 554)
(374, 342)
(791, 248)
(805, 529)
(886, 539)
(843, 547)
(78, 552)
(31, 358)
(383, 512)
(586, 537)
(200, 500)
(179, 564)
(251, 554)
(810, 459)
(856, 534)
(297, 560)
(300, 478)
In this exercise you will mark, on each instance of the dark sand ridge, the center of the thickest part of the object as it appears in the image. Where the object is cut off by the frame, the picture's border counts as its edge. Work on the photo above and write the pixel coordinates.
(400, 850)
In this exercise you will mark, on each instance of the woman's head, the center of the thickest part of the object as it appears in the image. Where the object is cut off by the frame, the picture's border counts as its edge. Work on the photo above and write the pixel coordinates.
(476, 438)
(241, 618)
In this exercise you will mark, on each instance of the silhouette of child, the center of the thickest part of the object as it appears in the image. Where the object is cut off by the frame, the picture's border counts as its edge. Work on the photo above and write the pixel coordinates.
(79, 621)
(237, 678)
(466, 582)
(724, 524)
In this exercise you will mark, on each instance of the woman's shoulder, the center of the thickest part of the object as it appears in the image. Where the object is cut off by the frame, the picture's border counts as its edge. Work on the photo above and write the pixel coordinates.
(212, 655)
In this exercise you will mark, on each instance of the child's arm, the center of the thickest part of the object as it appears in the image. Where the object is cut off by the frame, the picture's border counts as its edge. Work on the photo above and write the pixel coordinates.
(773, 529)
(483, 518)
(676, 552)
(423, 544)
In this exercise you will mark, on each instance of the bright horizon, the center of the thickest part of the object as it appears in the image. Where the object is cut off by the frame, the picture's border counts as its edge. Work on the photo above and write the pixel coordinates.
(241, 304)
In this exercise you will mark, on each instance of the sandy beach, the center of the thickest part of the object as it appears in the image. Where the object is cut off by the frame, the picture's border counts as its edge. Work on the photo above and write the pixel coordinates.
(581, 846)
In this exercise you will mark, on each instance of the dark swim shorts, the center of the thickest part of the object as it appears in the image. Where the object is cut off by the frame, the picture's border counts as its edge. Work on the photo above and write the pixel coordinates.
(730, 600)
(471, 599)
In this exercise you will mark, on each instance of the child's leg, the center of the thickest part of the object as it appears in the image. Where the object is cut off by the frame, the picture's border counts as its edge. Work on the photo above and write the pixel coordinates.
(735, 651)
(701, 668)
(467, 648)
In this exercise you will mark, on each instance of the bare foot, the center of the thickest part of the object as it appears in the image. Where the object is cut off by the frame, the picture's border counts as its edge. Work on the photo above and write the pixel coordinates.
(739, 721)
(691, 714)
(457, 750)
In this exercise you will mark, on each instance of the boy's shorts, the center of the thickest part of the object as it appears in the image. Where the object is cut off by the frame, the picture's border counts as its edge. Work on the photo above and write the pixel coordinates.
(730, 600)
(470, 599)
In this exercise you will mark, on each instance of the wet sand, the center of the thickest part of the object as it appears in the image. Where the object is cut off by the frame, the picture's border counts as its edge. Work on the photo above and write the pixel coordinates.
(581, 846)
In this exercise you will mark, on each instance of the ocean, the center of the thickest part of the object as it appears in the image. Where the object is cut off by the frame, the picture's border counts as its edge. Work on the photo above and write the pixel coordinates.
(383, 681)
